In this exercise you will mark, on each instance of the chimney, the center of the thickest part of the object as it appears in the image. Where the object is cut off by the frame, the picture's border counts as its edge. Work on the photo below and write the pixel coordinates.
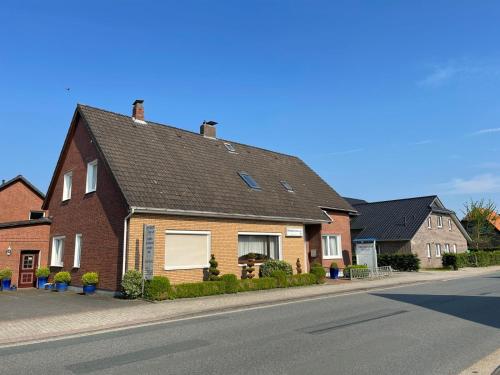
(207, 129)
(138, 110)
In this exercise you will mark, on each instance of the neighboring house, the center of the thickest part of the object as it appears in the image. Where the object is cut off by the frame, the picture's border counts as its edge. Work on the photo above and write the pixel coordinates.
(493, 229)
(421, 225)
(24, 231)
(203, 195)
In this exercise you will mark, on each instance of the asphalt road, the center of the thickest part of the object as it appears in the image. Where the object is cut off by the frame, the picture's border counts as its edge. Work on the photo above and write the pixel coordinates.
(434, 328)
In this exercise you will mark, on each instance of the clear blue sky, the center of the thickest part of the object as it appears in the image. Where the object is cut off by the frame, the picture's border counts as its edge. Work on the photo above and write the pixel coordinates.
(384, 99)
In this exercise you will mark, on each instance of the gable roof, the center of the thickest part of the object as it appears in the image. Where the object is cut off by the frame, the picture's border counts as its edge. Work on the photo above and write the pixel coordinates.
(20, 178)
(163, 169)
(397, 219)
(354, 201)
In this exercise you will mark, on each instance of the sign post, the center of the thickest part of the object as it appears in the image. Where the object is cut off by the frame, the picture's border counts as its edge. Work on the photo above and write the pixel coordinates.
(148, 252)
(366, 253)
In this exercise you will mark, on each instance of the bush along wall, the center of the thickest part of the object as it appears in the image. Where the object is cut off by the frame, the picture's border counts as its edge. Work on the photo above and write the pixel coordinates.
(477, 259)
(399, 262)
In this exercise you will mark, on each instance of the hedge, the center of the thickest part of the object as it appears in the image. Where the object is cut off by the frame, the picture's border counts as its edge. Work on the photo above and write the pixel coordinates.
(262, 283)
(318, 271)
(302, 279)
(231, 283)
(449, 260)
(478, 259)
(203, 288)
(347, 270)
(399, 262)
(268, 267)
(158, 289)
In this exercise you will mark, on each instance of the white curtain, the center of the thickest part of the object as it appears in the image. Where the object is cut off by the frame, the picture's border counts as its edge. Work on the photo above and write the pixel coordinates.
(265, 245)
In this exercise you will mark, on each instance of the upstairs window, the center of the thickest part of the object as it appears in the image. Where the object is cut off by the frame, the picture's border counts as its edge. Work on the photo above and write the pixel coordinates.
(429, 222)
(229, 147)
(91, 177)
(449, 224)
(440, 222)
(34, 215)
(56, 260)
(287, 186)
(67, 184)
(249, 180)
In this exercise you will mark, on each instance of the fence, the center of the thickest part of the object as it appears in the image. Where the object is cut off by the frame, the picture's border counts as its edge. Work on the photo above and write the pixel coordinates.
(368, 273)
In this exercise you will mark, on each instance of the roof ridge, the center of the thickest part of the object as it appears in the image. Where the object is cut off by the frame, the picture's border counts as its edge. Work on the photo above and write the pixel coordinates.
(396, 200)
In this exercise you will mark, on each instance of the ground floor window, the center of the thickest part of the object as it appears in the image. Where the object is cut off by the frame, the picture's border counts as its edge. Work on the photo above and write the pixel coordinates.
(455, 248)
(429, 253)
(56, 260)
(261, 247)
(438, 250)
(332, 246)
(186, 249)
(446, 247)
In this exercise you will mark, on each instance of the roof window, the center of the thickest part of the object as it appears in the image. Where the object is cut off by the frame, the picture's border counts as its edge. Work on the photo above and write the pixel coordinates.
(249, 180)
(287, 186)
(229, 147)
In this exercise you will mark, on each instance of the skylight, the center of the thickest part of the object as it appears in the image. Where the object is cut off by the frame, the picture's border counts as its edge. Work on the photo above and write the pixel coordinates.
(287, 186)
(229, 147)
(249, 180)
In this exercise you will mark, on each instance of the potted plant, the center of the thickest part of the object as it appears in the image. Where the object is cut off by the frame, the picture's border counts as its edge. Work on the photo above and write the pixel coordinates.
(334, 271)
(90, 280)
(6, 277)
(42, 275)
(62, 279)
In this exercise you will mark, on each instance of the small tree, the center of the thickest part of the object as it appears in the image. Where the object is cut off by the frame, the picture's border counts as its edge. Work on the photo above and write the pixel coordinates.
(250, 268)
(299, 266)
(213, 272)
(478, 216)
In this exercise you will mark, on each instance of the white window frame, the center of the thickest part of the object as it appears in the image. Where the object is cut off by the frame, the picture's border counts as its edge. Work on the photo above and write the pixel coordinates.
(88, 187)
(280, 243)
(439, 221)
(67, 189)
(450, 224)
(438, 253)
(78, 251)
(454, 248)
(429, 222)
(429, 251)
(446, 247)
(52, 257)
(339, 242)
(206, 233)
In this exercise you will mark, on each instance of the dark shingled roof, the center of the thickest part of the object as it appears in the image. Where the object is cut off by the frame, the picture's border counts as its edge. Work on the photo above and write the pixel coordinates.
(162, 167)
(24, 223)
(354, 201)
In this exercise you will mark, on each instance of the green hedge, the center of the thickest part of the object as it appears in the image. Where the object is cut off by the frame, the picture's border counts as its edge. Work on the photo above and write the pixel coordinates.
(247, 285)
(449, 260)
(231, 283)
(302, 279)
(158, 289)
(478, 259)
(399, 262)
(269, 266)
(318, 271)
(347, 270)
(203, 288)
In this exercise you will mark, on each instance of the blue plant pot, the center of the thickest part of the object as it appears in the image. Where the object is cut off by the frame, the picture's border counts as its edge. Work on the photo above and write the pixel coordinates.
(89, 289)
(334, 273)
(61, 287)
(5, 284)
(41, 282)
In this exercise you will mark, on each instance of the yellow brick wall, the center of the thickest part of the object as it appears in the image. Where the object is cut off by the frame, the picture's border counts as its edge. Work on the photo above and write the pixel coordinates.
(224, 242)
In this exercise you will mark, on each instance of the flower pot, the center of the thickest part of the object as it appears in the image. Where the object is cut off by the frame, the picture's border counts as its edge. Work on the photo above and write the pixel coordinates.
(5, 284)
(89, 289)
(334, 273)
(41, 282)
(61, 287)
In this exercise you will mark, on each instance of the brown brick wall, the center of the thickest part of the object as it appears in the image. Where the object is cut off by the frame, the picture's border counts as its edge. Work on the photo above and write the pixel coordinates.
(98, 216)
(16, 202)
(224, 242)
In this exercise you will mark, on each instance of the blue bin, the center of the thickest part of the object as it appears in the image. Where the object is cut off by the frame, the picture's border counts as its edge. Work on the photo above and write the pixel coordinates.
(5, 284)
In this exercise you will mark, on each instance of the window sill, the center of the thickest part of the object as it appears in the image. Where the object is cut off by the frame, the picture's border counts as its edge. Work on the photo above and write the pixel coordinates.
(193, 267)
(57, 265)
(332, 257)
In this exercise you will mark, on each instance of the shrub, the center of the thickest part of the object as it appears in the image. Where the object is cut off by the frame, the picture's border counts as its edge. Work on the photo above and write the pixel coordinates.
(262, 283)
(478, 259)
(132, 284)
(347, 270)
(42, 272)
(62, 277)
(250, 269)
(280, 277)
(299, 266)
(6, 274)
(399, 262)
(157, 289)
(318, 271)
(449, 260)
(334, 266)
(302, 279)
(204, 288)
(213, 271)
(90, 278)
(231, 283)
(267, 268)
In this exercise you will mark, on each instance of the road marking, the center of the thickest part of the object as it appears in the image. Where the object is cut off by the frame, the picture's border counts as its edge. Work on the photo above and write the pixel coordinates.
(489, 365)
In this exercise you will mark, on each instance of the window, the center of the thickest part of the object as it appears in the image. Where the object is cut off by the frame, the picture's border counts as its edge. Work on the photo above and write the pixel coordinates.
(260, 246)
(68, 178)
(249, 180)
(229, 147)
(332, 247)
(438, 250)
(446, 247)
(455, 248)
(429, 252)
(440, 222)
(36, 215)
(449, 224)
(287, 186)
(91, 177)
(56, 260)
(186, 249)
(429, 222)
(78, 251)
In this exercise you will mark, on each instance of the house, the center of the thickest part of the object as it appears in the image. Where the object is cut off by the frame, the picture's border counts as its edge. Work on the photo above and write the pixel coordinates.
(24, 230)
(201, 195)
(421, 225)
(490, 233)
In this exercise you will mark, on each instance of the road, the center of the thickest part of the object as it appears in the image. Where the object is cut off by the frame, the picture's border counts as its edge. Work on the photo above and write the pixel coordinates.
(434, 328)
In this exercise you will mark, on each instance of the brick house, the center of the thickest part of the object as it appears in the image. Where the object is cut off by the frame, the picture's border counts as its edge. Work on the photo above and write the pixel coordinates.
(203, 195)
(421, 225)
(24, 230)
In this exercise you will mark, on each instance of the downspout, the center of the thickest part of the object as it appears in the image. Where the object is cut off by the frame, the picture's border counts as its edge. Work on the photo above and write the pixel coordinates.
(125, 236)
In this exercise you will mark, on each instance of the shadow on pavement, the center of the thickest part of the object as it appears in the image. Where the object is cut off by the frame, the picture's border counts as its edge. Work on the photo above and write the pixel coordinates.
(478, 309)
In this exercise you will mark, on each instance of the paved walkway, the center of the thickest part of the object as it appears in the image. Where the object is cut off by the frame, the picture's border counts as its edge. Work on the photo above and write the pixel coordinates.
(53, 326)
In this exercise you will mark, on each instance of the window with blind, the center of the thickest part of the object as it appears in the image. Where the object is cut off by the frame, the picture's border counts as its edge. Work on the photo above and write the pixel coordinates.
(186, 249)
(261, 247)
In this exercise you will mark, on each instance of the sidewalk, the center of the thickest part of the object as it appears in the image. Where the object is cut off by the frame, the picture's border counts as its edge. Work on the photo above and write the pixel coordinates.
(130, 314)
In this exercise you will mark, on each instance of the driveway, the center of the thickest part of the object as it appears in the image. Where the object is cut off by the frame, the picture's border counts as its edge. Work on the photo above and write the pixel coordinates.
(35, 303)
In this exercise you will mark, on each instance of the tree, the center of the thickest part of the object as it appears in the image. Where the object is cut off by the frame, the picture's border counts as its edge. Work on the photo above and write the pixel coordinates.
(213, 271)
(477, 221)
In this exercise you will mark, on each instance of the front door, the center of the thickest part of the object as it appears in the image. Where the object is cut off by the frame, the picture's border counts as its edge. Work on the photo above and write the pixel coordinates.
(27, 268)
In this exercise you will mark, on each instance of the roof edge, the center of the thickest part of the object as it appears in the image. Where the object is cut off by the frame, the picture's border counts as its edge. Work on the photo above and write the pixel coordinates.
(25, 181)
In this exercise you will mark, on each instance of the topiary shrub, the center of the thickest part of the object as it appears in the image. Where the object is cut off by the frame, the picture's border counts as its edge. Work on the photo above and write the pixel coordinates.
(6, 274)
(399, 262)
(268, 267)
(449, 260)
(157, 289)
(262, 283)
(347, 270)
(132, 284)
(204, 288)
(213, 271)
(231, 283)
(62, 277)
(90, 278)
(42, 272)
(250, 269)
(280, 277)
(318, 271)
(299, 266)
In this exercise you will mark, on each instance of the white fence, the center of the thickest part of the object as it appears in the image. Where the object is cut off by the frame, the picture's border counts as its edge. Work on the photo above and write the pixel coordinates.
(368, 273)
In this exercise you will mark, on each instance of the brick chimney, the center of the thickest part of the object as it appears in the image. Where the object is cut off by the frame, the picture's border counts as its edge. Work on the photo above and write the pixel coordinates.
(138, 110)
(207, 129)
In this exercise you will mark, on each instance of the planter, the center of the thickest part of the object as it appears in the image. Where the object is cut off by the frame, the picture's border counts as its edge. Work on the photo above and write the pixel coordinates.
(61, 287)
(42, 281)
(334, 273)
(5, 284)
(89, 289)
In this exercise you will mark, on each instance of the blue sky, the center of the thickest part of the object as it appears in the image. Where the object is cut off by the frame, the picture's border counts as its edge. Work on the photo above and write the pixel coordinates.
(384, 99)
